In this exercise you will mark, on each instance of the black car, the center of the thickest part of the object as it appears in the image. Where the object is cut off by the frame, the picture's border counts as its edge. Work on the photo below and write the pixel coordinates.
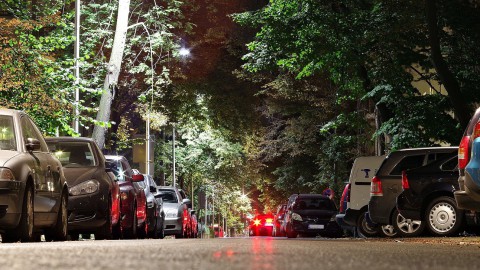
(311, 214)
(387, 184)
(428, 196)
(93, 198)
(33, 190)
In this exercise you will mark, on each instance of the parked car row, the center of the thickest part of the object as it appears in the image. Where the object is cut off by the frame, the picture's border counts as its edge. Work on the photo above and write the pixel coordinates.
(65, 186)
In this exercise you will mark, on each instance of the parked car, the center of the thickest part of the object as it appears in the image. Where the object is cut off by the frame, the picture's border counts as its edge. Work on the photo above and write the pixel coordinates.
(133, 203)
(340, 217)
(468, 195)
(187, 216)
(261, 224)
(175, 208)
(311, 214)
(428, 196)
(155, 214)
(34, 192)
(94, 201)
(387, 184)
(193, 224)
(218, 231)
(278, 219)
(357, 195)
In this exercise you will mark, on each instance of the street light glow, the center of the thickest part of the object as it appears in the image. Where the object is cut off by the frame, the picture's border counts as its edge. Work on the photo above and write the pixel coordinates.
(184, 52)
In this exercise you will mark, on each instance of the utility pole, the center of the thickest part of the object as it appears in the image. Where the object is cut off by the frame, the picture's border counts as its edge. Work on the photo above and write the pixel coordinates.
(173, 154)
(77, 65)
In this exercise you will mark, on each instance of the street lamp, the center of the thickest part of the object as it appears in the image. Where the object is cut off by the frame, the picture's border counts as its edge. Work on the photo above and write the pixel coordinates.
(147, 131)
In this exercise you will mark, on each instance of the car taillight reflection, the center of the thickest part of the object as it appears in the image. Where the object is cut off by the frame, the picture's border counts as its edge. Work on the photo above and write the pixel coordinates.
(376, 187)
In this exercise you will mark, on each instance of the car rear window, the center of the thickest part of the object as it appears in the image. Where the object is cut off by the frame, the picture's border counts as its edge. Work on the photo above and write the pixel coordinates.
(407, 163)
(168, 196)
(450, 165)
(314, 204)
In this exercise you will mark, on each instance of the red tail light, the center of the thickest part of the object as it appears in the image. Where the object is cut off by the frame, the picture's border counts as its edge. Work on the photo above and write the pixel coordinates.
(256, 222)
(345, 198)
(405, 184)
(376, 187)
(269, 220)
(463, 156)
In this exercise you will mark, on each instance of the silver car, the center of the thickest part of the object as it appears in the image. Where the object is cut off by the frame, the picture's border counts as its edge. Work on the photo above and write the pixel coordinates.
(175, 209)
(155, 213)
(34, 192)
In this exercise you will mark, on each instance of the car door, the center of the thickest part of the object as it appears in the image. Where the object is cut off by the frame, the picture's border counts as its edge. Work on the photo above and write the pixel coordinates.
(47, 189)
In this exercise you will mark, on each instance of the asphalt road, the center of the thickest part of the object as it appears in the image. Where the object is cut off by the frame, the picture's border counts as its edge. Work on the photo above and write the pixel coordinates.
(243, 253)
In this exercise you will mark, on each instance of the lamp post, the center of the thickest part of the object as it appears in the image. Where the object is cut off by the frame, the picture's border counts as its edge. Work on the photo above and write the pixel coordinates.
(147, 128)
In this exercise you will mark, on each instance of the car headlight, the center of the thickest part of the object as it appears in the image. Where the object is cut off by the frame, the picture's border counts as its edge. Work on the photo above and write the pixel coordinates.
(171, 213)
(83, 188)
(296, 217)
(6, 174)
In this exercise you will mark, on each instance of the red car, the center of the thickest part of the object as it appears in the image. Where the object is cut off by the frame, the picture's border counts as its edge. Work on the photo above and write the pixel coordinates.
(261, 225)
(133, 203)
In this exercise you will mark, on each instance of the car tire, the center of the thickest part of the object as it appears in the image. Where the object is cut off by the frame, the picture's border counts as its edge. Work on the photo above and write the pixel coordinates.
(388, 231)
(59, 232)
(106, 231)
(117, 231)
(407, 227)
(24, 230)
(364, 229)
(442, 216)
(142, 231)
(131, 233)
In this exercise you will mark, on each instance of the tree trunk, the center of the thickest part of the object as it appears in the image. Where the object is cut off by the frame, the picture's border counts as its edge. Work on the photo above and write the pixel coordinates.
(462, 111)
(114, 66)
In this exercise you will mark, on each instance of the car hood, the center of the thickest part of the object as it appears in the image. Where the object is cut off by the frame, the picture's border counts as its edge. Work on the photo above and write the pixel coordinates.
(76, 175)
(6, 155)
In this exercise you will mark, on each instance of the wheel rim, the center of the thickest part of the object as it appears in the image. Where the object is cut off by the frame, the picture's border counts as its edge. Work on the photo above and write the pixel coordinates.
(389, 230)
(367, 228)
(442, 217)
(30, 214)
(408, 226)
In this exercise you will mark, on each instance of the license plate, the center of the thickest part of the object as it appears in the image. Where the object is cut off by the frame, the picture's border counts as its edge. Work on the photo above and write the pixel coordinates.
(316, 226)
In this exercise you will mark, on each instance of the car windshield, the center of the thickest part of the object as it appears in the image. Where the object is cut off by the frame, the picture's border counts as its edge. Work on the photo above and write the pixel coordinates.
(313, 204)
(168, 196)
(73, 154)
(7, 134)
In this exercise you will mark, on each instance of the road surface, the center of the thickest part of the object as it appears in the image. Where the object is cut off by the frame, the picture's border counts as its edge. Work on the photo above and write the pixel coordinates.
(244, 253)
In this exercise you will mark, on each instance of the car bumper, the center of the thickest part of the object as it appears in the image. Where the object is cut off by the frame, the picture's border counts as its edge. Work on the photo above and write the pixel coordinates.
(87, 211)
(408, 207)
(330, 228)
(173, 226)
(351, 216)
(261, 230)
(378, 212)
(11, 198)
(340, 219)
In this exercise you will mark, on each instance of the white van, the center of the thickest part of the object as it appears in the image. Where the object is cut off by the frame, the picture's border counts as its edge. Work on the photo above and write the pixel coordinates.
(363, 170)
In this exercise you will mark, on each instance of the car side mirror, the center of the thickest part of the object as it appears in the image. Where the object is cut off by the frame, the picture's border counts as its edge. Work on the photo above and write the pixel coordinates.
(32, 144)
(137, 178)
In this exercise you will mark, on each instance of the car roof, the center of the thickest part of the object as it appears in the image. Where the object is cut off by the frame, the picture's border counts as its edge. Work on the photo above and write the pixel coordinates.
(311, 196)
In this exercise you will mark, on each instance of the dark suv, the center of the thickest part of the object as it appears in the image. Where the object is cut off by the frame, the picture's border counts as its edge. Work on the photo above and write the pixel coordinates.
(468, 195)
(428, 196)
(387, 185)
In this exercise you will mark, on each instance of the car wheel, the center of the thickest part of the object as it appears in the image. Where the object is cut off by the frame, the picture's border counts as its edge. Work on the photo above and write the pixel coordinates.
(388, 231)
(117, 231)
(364, 229)
(443, 217)
(407, 227)
(106, 231)
(131, 233)
(142, 231)
(59, 232)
